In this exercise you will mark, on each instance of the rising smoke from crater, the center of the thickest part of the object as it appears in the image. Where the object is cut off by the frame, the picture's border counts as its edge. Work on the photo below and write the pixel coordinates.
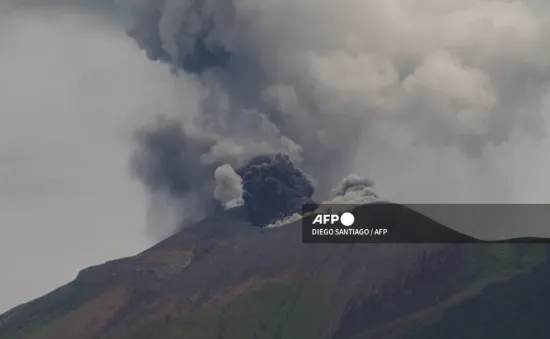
(273, 188)
(416, 91)
(318, 80)
(199, 173)
(420, 84)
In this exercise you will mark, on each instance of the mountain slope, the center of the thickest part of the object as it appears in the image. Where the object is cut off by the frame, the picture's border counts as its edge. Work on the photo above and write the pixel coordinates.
(222, 278)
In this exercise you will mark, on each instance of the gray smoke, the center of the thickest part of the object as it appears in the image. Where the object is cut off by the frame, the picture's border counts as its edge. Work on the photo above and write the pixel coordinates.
(415, 91)
(354, 190)
(229, 190)
(318, 80)
(351, 191)
(196, 171)
(185, 168)
(472, 71)
(240, 87)
(170, 162)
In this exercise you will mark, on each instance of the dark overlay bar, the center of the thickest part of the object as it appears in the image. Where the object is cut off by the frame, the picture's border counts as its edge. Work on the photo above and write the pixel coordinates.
(395, 223)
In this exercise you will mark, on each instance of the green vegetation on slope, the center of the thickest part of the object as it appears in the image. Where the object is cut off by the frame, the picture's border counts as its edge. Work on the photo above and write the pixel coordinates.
(47, 312)
(484, 266)
(300, 311)
(70, 318)
(275, 311)
(487, 260)
(512, 309)
(36, 326)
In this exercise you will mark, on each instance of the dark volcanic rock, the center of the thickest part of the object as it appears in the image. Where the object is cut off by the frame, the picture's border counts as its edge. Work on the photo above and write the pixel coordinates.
(222, 275)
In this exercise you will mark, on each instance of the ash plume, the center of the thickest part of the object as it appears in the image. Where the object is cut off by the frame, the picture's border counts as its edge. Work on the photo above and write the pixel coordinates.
(438, 95)
(352, 190)
(169, 161)
(320, 80)
(437, 67)
(193, 172)
(273, 188)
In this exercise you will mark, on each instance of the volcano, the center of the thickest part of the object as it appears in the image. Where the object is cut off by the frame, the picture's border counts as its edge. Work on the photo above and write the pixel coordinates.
(223, 278)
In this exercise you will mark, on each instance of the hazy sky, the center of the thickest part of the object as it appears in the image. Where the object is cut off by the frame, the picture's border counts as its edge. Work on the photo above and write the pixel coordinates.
(73, 88)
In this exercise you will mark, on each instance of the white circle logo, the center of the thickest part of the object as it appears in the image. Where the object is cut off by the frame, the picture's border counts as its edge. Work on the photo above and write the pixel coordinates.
(347, 219)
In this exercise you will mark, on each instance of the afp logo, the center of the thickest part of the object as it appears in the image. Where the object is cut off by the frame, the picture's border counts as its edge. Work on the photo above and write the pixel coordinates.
(346, 219)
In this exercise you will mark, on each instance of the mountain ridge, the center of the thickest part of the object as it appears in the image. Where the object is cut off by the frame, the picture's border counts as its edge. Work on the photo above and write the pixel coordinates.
(222, 271)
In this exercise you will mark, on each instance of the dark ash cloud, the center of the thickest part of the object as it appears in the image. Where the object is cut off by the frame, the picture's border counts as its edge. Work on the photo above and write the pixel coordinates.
(321, 81)
(273, 188)
(174, 163)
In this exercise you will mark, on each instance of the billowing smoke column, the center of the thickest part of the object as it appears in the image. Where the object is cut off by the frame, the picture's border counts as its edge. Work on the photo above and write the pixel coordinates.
(313, 79)
(182, 32)
(206, 38)
(194, 169)
(273, 189)
(170, 162)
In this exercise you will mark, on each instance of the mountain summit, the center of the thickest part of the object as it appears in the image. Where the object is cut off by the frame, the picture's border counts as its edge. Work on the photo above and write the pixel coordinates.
(223, 278)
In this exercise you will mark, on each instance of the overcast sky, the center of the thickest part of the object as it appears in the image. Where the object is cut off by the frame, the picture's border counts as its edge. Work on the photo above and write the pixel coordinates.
(73, 88)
